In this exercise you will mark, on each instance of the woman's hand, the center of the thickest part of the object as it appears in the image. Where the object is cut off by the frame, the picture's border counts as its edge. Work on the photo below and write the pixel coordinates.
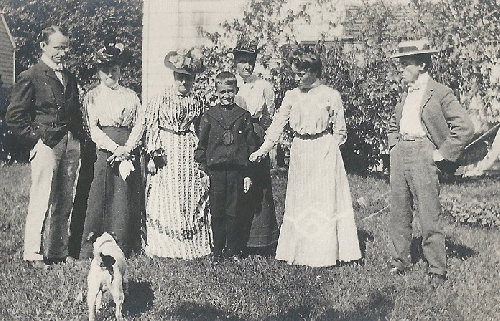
(151, 167)
(121, 153)
(205, 181)
(256, 156)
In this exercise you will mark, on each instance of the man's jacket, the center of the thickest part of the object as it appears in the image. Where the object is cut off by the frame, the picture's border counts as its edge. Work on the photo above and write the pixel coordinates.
(446, 122)
(42, 108)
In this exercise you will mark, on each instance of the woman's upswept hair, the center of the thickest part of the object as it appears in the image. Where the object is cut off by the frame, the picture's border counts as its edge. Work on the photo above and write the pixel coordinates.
(306, 59)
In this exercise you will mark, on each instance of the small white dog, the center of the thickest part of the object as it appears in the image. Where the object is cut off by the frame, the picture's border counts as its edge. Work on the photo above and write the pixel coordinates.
(107, 272)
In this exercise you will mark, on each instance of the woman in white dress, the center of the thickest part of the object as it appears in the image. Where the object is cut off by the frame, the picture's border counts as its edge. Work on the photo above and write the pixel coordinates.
(318, 225)
(177, 222)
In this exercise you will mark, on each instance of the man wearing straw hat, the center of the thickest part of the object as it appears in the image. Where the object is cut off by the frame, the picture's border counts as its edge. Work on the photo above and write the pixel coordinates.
(427, 132)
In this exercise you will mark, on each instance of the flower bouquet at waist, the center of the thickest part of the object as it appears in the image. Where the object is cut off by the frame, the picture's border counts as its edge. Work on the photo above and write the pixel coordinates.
(156, 159)
(125, 164)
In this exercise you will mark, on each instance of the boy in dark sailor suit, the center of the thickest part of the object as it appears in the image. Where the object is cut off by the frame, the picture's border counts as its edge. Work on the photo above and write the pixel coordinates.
(45, 114)
(226, 140)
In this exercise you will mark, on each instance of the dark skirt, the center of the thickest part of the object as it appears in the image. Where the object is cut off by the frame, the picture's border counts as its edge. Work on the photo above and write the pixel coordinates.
(262, 227)
(114, 204)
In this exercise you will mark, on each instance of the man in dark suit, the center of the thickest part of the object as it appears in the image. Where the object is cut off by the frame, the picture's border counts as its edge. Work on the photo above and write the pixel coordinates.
(427, 133)
(45, 114)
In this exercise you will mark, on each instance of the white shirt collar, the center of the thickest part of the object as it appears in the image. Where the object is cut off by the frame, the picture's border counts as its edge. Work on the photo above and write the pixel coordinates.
(420, 83)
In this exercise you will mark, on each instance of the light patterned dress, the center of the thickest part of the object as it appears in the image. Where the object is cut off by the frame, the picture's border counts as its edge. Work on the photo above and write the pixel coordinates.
(177, 221)
(318, 225)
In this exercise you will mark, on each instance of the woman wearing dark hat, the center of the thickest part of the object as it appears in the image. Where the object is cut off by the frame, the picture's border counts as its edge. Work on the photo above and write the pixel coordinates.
(257, 96)
(318, 224)
(176, 221)
(115, 120)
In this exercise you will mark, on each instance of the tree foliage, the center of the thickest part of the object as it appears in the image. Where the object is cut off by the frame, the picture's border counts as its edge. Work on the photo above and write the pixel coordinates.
(464, 31)
(91, 24)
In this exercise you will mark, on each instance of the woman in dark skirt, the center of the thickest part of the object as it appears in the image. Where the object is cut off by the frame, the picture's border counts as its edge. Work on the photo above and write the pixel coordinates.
(257, 96)
(116, 125)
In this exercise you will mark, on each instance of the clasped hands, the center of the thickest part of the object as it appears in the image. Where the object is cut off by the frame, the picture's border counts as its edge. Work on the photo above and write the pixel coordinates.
(120, 154)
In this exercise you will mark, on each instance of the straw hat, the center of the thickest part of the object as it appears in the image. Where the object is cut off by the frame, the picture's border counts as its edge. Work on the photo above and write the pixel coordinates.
(414, 47)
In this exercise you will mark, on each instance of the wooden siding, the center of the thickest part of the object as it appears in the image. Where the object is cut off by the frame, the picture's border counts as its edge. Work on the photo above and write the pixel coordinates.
(7, 54)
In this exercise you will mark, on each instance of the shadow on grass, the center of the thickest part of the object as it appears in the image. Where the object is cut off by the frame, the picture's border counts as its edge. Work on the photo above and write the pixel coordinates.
(363, 238)
(193, 311)
(139, 299)
(378, 307)
(453, 250)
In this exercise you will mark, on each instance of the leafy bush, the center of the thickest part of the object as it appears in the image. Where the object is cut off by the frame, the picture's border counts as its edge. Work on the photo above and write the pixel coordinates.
(477, 211)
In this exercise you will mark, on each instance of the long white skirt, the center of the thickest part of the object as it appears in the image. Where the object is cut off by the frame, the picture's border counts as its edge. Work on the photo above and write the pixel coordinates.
(318, 225)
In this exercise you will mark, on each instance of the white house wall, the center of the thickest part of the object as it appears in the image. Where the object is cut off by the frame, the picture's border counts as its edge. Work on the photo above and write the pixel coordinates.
(173, 24)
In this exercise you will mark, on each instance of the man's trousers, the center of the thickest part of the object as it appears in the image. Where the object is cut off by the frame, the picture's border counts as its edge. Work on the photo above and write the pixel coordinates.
(414, 183)
(54, 174)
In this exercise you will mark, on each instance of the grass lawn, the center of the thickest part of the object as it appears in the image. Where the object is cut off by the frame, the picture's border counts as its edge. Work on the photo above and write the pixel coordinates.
(261, 288)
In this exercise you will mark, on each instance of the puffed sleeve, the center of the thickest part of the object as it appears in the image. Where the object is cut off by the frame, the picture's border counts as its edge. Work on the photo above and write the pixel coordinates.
(101, 140)
(274, 131)
(139, 125)
(337, 118)
(269, 109)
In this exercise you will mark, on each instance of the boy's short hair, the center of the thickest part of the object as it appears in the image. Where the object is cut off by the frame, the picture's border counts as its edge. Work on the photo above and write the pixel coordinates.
(226, 78)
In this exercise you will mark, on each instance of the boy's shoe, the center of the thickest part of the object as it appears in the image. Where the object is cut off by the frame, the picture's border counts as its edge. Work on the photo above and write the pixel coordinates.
(436, 280)
(217, 256)
(396, 270)
(234, 255)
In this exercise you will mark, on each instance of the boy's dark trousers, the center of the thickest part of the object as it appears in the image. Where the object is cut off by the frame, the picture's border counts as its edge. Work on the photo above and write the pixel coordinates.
(226, 196)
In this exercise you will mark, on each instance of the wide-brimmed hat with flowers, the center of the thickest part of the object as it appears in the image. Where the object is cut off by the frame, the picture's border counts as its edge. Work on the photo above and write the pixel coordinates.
(413, 48)
(184, 61)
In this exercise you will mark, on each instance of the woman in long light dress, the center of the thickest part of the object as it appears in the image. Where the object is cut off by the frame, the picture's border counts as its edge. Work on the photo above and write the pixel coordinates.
(318, 225)
(177, 221)
(115, 119)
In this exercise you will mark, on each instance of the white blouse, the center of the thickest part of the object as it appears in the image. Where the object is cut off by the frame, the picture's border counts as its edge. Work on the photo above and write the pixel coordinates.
(258, 94)
(308, 112)
(117, 107)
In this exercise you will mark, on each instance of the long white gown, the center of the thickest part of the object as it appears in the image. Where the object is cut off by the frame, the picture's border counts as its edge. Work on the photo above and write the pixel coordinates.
(318, 225)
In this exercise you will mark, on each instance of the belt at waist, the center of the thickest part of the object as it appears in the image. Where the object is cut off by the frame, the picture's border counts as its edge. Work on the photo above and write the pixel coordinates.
(172, 131)
(312, 136)
(411, 138)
